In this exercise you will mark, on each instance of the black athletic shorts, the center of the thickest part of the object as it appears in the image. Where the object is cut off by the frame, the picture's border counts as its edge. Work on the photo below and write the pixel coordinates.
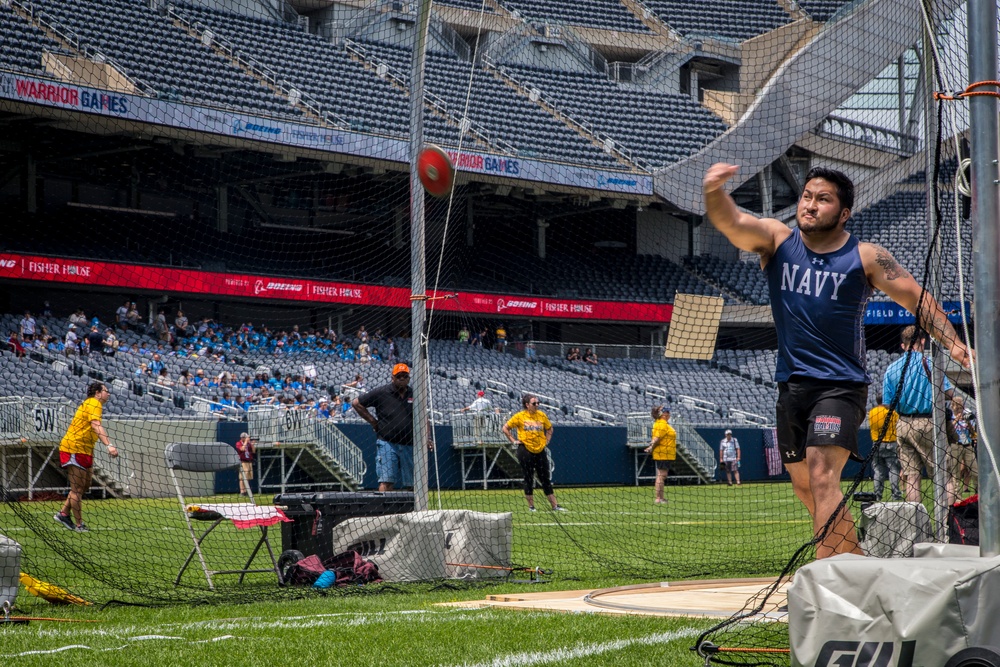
(662, 465)
(815, 413)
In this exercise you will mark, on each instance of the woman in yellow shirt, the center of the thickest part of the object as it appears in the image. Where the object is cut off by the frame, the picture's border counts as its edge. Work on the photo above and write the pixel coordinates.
(76, 453)
(534, 432)
(663, 446)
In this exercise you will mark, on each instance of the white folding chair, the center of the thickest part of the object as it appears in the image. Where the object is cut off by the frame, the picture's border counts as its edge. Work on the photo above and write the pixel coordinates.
(215, 457)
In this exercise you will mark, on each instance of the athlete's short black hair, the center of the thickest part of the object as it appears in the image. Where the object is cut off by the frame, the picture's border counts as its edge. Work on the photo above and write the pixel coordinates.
(845, 186)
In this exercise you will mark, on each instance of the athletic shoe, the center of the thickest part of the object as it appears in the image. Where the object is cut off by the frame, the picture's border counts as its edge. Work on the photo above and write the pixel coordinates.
(64, 520)
(559, 508)
(532, 509)
(82, 528)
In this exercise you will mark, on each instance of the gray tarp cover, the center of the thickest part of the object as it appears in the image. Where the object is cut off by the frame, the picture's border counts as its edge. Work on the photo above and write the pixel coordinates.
(417, 546)
(849, 610)
(10, 569)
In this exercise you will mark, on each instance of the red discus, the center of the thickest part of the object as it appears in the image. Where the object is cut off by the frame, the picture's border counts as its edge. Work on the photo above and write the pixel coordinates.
(437, 173)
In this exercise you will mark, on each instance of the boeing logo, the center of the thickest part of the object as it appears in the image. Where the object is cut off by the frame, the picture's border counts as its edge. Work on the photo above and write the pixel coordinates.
(241, 127)
(504, 305)
(603, 181)
(260, 286)
(7, 264)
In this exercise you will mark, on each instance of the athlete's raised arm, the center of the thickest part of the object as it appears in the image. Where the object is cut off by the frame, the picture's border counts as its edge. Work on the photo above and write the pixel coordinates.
(885, 273)
(746, 232)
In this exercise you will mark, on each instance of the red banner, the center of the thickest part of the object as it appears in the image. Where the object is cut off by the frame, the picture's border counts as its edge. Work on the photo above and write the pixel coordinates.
(189, 281)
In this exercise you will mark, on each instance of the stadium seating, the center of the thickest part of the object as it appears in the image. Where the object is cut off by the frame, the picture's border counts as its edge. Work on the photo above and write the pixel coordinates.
(822, 10)
(744, 280)
(22, 44)
(601, 14)
(731, 20)
(640, 121)
(153, 50)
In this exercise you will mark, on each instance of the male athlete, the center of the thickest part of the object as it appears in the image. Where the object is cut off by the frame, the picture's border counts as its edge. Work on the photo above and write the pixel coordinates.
(819, 278)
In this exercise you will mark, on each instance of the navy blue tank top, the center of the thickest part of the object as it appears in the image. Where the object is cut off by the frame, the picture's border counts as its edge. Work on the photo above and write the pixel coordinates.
(818, 301)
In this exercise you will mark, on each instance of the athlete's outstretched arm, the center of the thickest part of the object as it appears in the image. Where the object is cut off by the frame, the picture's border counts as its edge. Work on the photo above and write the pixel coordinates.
(885, 273)
(743, 230)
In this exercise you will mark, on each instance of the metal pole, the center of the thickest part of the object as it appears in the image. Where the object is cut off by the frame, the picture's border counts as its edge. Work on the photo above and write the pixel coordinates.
(983, 134)
(942, 496)
(418, 286)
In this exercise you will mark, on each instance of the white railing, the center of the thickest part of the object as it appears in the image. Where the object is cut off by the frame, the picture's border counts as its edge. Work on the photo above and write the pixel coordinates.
(864, 134)
(652, 391)
(465, 124)
(694, 445)
(272, 425)
(543, 400)
(70, 36)
(692, 403)
(555, 348)
(204, 406)
(744, 417)
(597, 416)
(294, 96)
(476, 430)
(495, 387)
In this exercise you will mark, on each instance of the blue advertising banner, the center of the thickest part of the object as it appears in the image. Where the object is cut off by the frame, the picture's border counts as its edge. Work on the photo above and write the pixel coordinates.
(887, 312)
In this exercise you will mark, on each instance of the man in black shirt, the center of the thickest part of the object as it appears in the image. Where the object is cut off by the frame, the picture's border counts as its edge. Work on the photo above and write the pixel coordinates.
(393, 403)
(95, 340)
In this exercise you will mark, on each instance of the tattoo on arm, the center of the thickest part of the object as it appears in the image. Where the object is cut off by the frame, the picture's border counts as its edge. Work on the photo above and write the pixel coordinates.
(890, 266)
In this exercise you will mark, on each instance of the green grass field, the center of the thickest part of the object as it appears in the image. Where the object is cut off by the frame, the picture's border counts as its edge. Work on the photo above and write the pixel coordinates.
(611, 536)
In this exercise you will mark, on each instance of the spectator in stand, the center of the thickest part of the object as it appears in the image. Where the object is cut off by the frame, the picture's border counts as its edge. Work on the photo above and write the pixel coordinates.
(78, 318)
(27, 326)
(481, 405)
(110, 343)
(46, 309)
(501, 338)
(181, 324)
(160, 326)
(463, 334)
(132, 317)
(529, 350)
(590, 356)
(534, 433)
(199, 378)
(121, 316)
(95, 340)
(361, 334)
(15, 344)
(246, 449)
(364, 352)
(357, 383)
(476, 339)
(391, 353)
(323, 408)
(156, 365)
(338, 407)
(729, 457)
(163, 378)
(72, 343)
(663, 447)
(184, 379)
(143, 371)
(573, 354)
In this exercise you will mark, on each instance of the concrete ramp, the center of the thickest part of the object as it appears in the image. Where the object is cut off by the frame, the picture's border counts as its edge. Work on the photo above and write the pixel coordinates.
(815, 81)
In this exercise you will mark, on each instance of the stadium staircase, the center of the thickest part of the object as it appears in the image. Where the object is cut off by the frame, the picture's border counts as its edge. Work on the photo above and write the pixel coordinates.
(796, 85)
(296, 441)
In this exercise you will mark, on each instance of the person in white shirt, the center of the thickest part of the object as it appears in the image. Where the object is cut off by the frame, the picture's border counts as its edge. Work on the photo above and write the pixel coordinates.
(729, 457)
(480, 405)
(72, 345)
(28, 326)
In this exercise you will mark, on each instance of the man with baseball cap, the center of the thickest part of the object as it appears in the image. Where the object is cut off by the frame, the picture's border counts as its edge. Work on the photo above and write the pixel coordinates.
(729, 457)
(393, 405)
(480, 405)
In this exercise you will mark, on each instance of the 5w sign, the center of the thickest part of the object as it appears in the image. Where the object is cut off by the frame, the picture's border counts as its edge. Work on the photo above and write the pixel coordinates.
(866, 654)
(45, 419)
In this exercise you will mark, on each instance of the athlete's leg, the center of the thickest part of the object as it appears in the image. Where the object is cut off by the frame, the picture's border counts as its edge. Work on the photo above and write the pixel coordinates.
(826, 463)
(799, 473)
(79, 484)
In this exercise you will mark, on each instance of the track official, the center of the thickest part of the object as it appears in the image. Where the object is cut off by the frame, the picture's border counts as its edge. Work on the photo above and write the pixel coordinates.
(393, 405)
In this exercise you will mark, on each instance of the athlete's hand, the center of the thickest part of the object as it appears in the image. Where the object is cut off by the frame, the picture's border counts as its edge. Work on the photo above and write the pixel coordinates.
(963, 354)
(717, 175)
(112, 451)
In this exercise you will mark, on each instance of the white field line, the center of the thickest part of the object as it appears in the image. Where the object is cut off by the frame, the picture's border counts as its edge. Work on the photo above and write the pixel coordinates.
(84, 647)
(583, 651)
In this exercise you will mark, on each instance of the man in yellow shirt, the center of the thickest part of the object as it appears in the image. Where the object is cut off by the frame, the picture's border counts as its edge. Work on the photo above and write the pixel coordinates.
(886, 459)
(76, 453)
(663, 447)
(534, 432)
